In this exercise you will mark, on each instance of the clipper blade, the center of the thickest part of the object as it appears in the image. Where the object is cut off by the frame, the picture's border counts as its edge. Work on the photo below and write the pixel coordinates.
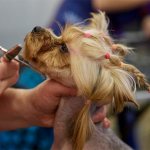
(12, 53)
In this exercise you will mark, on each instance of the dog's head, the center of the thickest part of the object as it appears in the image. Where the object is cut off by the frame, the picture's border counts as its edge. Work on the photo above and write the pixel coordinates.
(87, 55)
(46, 52)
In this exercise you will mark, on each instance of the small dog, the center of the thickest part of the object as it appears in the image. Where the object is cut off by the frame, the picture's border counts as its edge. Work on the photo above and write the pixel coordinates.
(85, 57)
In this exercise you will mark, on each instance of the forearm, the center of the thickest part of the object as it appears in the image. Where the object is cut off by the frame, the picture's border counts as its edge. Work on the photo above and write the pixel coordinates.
(11, 115)
(117, 5)
(35, 107)
(19, 109)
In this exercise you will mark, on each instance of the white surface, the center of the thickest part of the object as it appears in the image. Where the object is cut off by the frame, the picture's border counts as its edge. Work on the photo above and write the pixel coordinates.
(143, 96)
(17, 17)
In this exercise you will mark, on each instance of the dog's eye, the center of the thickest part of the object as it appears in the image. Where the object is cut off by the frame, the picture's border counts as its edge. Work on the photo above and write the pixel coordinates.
(63, 48)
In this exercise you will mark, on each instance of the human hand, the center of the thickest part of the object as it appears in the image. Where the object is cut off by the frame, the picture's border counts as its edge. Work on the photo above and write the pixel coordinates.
(40, 104)
(100, 116)
(146, 26)
(9, 72)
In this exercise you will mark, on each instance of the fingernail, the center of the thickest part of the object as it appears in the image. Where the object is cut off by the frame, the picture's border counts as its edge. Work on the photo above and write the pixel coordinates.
(106, 123)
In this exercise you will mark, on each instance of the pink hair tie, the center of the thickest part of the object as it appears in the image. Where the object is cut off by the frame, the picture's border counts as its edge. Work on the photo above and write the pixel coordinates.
(107, 55)
(87, 35)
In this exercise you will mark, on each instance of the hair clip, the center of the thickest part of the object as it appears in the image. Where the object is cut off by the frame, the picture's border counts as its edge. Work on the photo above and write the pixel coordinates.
(107, 55)
(87, 35)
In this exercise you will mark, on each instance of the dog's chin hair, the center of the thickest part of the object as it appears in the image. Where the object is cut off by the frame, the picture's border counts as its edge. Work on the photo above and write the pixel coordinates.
(62, 76)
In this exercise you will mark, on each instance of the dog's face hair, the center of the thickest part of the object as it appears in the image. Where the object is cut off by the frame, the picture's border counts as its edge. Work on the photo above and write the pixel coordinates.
(45, 51)
(74, 55)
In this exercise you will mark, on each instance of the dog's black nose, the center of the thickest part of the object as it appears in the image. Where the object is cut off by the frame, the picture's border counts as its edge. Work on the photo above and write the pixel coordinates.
(37, 29)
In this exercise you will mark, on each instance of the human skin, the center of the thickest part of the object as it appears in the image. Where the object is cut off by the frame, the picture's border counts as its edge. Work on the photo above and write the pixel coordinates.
(21, 108)
(117, 5)
(9, 72)
(146, 26)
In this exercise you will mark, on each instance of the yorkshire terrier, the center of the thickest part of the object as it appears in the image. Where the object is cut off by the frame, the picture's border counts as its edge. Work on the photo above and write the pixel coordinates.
(85, 57)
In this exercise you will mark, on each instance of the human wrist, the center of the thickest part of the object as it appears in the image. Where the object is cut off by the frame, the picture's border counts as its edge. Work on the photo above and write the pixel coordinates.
(12, 112)
(30, 112)
(21, 106)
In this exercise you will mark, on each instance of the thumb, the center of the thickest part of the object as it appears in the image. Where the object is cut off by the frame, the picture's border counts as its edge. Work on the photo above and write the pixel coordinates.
(4, 84)
(61, 90)
(51, 87)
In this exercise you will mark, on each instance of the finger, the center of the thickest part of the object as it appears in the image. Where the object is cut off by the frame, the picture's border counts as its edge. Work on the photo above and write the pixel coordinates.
(4, 60)
(8, 69)
(99, 115)
(106, 123)
(47, 120)
(58, 89)
(8, 82)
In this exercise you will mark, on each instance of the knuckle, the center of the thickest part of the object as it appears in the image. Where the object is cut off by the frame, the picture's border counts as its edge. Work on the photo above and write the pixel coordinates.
(14, 79)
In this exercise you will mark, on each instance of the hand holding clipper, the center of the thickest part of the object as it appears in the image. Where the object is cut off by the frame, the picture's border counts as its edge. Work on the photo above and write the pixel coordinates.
(12, 53)
(9, 69)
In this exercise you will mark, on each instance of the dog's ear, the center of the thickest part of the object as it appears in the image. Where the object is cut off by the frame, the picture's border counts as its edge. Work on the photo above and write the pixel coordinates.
(99, 22)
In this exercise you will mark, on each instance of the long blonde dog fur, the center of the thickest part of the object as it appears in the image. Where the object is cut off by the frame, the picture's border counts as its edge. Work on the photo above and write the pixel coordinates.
(84, 66)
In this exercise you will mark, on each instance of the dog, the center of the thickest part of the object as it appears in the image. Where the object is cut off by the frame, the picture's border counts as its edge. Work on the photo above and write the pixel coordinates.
(85, 57)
